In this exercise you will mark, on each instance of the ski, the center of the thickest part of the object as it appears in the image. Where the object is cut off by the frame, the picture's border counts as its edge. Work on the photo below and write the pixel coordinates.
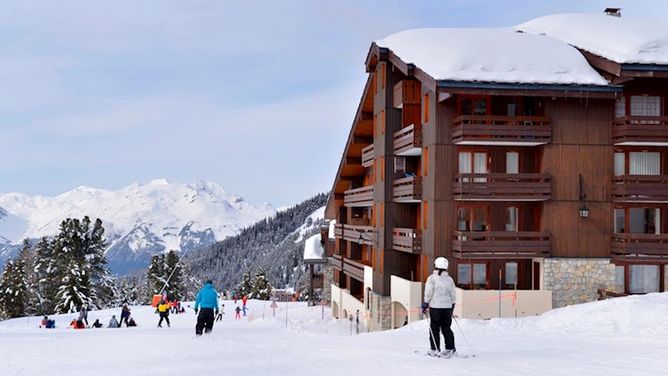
(456, 355)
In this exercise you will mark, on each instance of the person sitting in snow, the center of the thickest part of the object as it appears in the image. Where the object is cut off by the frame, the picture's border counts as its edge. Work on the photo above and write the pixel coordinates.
(97, 324)
(439, 301)
(77, 324)
(113, 323)
(163, 310)
(44, 322)
(131, 322)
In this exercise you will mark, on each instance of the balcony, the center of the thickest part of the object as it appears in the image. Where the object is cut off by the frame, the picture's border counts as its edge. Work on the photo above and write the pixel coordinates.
(500, 245)
(501, 130)
(337, 262)
(640, 247)
(354, 233)
(408, 142)
(502, 187)
(407, 189)
(354, 269)
(359, 197)
(640, 188)
(407, 240)
(368, 156)
(640, 130)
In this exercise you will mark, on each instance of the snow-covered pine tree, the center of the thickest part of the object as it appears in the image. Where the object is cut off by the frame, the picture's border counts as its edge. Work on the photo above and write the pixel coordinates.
(13, 290)
(155, 275)
(261, 286)
(246, 285)
(128, 291)
(102, 283)
(34, 299)
(69, 251)
(46, 275)
(174, 269)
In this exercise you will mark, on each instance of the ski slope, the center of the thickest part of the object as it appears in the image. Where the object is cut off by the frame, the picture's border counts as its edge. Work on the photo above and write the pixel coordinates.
(625, 336)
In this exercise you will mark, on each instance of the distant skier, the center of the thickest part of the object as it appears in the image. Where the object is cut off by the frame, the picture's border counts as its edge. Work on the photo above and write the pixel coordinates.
(237, 313)
(206, 302)
(163, 310)
(439, 300)
(219, 316)
(97, 324)
(83, 315)
(113, 323)
(244, 300)
(125, 314)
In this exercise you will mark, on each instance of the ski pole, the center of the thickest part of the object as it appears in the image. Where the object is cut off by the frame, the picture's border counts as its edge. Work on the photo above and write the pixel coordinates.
(432, 339)
(463, 335)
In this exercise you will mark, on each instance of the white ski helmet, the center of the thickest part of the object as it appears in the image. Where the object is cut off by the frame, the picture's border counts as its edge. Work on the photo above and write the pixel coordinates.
(441, 263)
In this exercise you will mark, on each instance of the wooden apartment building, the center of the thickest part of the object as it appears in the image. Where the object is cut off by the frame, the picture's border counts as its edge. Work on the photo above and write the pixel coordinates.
(533, 162)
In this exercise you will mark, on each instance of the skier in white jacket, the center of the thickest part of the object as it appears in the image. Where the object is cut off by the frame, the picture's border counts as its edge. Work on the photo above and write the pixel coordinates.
(439, 299)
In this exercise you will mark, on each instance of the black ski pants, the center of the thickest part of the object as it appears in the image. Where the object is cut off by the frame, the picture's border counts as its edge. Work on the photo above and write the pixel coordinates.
(123, 318)
(204, 321)
(163, 316)
(440, 321)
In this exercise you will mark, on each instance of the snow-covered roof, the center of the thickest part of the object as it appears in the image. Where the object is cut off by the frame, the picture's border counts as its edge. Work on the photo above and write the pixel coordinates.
(620, 39)
(313, 249)
(492, 55)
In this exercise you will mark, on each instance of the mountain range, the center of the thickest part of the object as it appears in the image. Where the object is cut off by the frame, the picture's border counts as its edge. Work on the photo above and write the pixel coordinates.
(140, 220)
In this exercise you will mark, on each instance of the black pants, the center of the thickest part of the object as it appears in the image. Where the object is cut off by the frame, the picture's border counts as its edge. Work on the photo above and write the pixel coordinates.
(123, 318)
(164, 316)
(204, 321)
(440, 321)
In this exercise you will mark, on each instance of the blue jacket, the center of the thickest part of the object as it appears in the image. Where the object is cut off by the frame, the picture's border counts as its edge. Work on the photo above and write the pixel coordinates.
(207, 297)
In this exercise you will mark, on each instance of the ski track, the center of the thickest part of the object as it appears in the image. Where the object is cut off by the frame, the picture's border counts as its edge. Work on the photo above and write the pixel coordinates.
(311, 346)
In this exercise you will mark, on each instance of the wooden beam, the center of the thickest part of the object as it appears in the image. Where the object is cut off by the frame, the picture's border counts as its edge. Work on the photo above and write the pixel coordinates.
(361, 140)
(354, 160)
(602, 63)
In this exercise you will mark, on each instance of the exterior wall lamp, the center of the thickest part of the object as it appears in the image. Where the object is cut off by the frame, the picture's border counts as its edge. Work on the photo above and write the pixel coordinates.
(583, 211)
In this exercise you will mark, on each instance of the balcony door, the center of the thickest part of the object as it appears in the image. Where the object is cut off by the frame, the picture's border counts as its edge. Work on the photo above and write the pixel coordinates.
(473, 218)
(473, 162)
(637, 163)
(638, 220)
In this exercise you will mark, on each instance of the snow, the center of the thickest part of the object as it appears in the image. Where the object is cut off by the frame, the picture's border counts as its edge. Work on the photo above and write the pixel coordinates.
(492, 55)
(310, 223)
(620, 39)
(164, 208)
(313, 248)
(623, 336)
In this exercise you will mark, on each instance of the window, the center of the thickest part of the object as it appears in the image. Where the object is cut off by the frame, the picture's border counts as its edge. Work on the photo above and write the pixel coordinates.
(620, 107)
(473, 162)
(472, 275)
(644, 220)
(512, 162)
(479, 220)
(645, 105)
(620, 278)
(643, 279)
(465, 163)
(473, 106)
(464, 219)
(400, 165)
(511, 273)
(472, 219)
(620, 217)
(620, 163)
(644, 163)
(511, 219)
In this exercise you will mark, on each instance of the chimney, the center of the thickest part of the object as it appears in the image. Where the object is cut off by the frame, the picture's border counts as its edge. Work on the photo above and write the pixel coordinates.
(614, 12)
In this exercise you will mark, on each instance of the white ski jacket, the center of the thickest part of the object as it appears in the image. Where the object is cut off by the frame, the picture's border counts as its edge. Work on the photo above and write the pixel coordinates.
(439, 291)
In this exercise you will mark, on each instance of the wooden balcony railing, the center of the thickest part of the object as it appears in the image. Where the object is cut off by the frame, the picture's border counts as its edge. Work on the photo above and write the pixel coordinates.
(337, 262)
(640, 188)
(359, 197)
(407, 189)
(367, 156)
(640, 247)
(502, 187)
(408, 141)
(353, 268)
(407, 240)
(354, 233)
(500, 244)
(640, 130)
(509, 130)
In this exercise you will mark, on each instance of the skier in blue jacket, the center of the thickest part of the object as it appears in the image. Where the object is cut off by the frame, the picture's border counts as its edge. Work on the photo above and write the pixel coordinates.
(206, 303)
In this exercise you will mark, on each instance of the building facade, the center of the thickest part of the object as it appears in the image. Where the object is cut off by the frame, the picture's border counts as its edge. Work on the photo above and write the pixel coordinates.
(543, 189)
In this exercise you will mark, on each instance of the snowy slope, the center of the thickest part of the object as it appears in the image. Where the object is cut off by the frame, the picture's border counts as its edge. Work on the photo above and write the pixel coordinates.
(492, 55)
(141, 219)
(619, 337)
(620, 39)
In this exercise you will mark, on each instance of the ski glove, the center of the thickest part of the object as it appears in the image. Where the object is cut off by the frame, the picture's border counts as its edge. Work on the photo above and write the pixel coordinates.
(425, 307)
(196, 311)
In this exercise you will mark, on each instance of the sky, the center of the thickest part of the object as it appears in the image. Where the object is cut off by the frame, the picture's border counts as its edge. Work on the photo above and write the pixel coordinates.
(257, 96)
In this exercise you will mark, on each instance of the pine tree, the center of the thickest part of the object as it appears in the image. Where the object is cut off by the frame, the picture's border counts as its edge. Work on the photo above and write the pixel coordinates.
(174, 276)
(261, 287)
(74, 290)
(13, 290)
(246, 285)
(128, 291)
(34, 299)
(155, 275)
(102, 283)
(46, 275)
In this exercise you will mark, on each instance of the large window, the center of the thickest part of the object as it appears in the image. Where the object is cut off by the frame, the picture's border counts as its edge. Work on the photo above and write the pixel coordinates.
(638, 220)
(474, 105)
(639, 163)
(645, 105)
(620, 278)
(472, 275)
(511, 219)
(643, 279)
(475, 162)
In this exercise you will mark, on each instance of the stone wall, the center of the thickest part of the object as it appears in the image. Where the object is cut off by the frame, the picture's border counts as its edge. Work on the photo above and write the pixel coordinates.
(574, 281)
(328, 279)
(380, 312)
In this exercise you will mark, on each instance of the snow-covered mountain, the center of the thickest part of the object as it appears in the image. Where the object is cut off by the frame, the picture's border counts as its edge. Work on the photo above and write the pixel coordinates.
(141, 219)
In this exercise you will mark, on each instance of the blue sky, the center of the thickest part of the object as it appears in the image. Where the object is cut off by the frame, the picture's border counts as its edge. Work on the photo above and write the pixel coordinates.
(255, 95)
